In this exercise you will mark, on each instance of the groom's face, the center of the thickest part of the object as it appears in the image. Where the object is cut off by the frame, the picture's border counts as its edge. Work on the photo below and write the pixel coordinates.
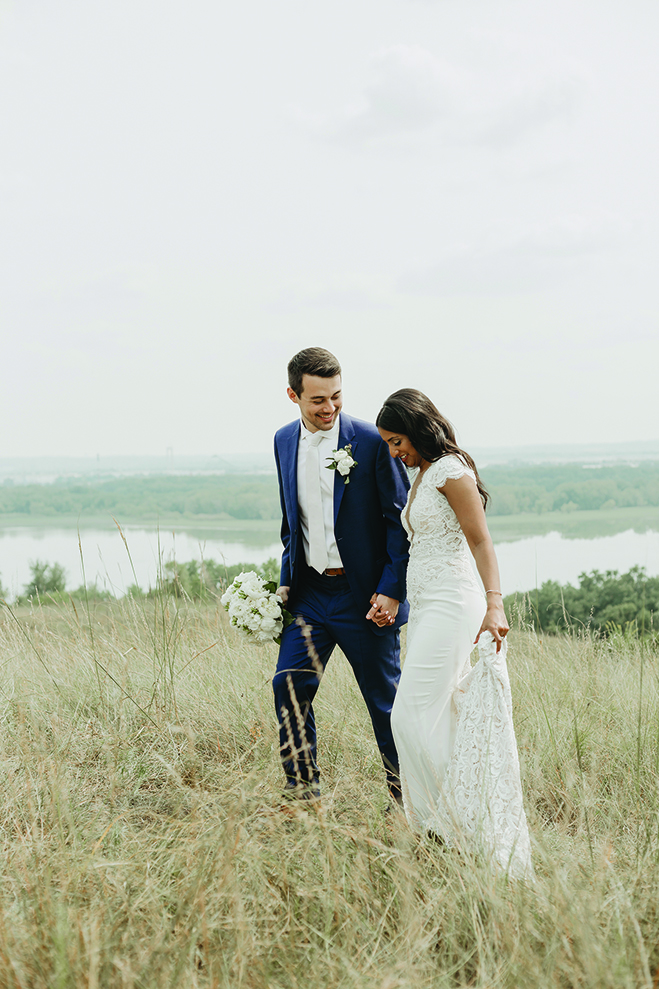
(320, 401)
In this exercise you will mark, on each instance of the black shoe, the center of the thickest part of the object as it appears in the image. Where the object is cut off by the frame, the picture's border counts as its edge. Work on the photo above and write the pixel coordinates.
(299, 790)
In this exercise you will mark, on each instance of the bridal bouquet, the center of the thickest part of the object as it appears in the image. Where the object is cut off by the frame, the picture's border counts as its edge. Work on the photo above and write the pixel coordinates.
(255, 609)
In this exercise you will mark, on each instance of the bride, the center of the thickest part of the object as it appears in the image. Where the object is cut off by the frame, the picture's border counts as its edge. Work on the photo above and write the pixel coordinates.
(452, 722)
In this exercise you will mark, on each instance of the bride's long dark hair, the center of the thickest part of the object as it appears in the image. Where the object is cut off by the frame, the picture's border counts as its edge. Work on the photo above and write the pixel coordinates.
(412, 414)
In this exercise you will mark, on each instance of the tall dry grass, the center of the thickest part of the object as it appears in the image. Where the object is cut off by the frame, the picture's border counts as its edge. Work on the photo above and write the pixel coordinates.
(144, 843)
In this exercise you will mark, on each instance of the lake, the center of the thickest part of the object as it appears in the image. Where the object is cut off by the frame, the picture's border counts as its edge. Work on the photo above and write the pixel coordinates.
(525, 560)
(106, 555)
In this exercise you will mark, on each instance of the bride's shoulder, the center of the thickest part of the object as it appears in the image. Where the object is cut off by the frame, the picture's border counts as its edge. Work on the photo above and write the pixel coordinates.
(449, 467)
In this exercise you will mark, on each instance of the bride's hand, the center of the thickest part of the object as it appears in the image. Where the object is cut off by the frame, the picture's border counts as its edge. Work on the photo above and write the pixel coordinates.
(496, 623)
(384, 610)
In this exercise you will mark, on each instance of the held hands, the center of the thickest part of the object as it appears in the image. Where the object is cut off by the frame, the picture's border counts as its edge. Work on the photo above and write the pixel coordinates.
(384, 610)
(494, 622)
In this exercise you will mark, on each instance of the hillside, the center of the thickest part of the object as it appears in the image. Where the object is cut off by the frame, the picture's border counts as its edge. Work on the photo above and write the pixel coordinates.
(146, 845)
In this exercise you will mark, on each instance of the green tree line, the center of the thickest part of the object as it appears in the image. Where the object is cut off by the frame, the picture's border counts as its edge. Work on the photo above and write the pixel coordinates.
(514, 489)
(244, 496)
(570, 487)
(609, 603)
(196, 579)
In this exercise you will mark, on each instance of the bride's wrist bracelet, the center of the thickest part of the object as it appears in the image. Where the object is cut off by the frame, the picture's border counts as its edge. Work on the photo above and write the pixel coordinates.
(494, 592)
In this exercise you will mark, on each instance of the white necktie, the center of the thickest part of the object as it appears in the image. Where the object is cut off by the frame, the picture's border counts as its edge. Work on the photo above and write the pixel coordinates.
(317, 543)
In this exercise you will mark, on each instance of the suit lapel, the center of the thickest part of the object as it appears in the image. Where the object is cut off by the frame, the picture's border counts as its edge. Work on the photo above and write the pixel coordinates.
(346, 435)
(291, 460)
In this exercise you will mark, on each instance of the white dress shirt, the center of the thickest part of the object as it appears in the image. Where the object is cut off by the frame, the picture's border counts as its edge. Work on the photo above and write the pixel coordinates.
(327, 444)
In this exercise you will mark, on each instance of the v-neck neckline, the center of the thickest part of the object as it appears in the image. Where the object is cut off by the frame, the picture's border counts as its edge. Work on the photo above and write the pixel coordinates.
(412, 498)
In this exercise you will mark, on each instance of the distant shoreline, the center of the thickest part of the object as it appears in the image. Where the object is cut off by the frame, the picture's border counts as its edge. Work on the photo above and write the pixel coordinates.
(504, 528)
(589, 524)
(188, 522)
(44, 469)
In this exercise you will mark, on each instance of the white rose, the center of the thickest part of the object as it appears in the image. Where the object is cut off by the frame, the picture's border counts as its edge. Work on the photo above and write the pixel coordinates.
(248, 579)
(344, 467)
(272, 608)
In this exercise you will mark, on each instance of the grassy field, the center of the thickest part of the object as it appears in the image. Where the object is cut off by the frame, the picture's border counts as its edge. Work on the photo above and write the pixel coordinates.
(145, 844)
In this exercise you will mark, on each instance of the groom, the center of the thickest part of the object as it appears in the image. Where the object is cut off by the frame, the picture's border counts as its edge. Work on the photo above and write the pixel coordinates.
(345, 552)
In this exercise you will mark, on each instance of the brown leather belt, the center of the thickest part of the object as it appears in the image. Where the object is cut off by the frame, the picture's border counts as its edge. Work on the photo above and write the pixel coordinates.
(334, 572)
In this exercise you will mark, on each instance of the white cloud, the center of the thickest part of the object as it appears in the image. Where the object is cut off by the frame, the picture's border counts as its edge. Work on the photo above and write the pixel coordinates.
(411, 90)
(408, 90)
(508, 116)
(542, 256)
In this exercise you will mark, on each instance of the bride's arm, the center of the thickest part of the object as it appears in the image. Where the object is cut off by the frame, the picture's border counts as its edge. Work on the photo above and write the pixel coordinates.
(463, 497)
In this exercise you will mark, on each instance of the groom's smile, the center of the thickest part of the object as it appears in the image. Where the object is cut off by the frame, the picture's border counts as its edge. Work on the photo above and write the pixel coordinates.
(320, 401)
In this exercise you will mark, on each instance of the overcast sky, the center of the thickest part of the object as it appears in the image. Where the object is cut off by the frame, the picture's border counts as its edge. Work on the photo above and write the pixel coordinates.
(456, 195)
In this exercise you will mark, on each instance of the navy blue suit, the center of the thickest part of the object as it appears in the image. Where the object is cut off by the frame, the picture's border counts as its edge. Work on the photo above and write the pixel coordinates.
(374, 552)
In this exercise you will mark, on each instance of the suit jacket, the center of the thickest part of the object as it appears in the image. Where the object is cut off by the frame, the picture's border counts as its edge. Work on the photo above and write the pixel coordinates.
(367, 527)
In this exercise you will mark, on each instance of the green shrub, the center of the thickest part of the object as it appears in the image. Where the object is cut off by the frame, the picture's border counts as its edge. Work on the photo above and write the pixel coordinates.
(609, 603)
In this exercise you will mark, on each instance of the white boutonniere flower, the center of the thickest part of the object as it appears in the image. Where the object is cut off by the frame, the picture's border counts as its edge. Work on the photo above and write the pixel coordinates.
(342, 461)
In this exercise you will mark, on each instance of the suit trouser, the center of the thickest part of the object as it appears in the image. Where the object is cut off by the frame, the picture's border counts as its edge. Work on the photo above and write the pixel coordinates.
(328, 607)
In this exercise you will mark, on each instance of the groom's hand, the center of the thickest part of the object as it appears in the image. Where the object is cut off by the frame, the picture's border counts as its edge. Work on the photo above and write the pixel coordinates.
(384, 610)
(282, 592)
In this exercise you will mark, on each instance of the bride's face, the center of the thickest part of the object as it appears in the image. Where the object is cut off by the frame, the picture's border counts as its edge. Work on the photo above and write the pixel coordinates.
(400, 448)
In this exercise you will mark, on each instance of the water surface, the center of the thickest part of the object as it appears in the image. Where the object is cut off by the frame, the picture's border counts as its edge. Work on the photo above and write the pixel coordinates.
(115, 564)
(525, 562)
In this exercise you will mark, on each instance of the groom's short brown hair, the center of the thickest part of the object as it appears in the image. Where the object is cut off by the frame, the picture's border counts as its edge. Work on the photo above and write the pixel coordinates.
(312, 360)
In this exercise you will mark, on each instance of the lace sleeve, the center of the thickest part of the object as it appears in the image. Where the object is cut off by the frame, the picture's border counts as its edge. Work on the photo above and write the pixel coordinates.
(449, 468)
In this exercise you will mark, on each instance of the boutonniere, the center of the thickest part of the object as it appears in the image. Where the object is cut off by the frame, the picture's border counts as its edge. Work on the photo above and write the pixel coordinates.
(342, 461)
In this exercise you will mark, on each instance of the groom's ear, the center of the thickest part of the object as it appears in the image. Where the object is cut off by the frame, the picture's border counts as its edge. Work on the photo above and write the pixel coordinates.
(293, 397)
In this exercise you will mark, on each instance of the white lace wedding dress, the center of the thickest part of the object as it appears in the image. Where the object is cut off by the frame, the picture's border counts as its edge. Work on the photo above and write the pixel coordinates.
(452, 722)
